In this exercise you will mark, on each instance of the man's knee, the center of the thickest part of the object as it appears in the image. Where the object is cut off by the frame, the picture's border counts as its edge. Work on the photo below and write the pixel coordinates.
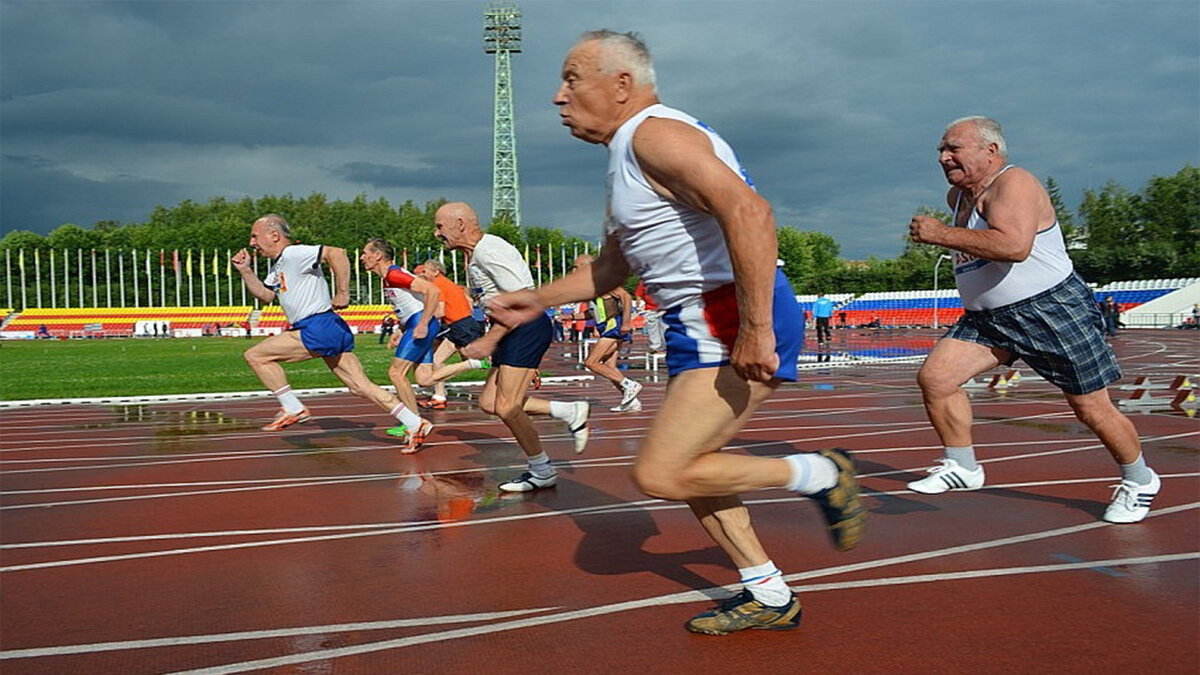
(659, 483)
(935, 384)
(1094, 408)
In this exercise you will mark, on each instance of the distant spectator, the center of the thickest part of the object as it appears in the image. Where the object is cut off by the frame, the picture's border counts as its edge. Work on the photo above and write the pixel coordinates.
(386, 328)
(655, 328)
(1112, 315)
(42, 331)
(823, 312)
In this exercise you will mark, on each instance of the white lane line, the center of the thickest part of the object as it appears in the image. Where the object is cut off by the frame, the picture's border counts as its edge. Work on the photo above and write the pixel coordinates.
(93, 648)
(690, 596)
(435, 525)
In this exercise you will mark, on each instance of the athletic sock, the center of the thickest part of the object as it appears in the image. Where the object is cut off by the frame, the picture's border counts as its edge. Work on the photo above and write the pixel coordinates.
(288, 400)
(475, 364)
(964, 456)
(540, 466)
(406, 417)
(560, 410)
(765, 583)
(438, 397)
(811, 473)
(1137, 471)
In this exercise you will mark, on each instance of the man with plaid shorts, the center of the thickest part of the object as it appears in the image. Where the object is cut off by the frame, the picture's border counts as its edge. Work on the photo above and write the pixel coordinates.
(1022, 300)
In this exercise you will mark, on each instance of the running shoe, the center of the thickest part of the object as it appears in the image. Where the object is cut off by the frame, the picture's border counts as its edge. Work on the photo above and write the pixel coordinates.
(948, 475)
(401, 431)
(286, 419)
(527, 482)
(630, 391)
(536, 382)
(1131, 502)
(633, 406)
(578, 425)
(433, 404)
(841, 505)
(417, 438)
(742, 611)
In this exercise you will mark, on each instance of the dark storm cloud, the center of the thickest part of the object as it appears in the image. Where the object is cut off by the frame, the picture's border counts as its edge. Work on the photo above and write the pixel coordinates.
(834, 107)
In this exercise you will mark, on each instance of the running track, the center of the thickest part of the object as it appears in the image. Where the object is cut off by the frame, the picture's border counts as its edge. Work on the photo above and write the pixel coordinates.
(178, 538)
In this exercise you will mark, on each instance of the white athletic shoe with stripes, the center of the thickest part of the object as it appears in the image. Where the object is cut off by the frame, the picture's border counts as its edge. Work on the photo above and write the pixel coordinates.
(948, 475)
(1131, 502)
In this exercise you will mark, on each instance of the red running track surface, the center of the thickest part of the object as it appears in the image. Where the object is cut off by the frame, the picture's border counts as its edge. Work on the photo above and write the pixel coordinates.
(179, 538)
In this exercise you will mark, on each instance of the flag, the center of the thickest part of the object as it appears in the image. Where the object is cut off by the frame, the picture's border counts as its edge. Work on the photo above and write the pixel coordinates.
(37, 257)
(162, 258)
(175, 260)
(538, 264)
(526, 253)
(189, 263)
(216, 271)
(405, 263)
(21, 261)
(228, 263)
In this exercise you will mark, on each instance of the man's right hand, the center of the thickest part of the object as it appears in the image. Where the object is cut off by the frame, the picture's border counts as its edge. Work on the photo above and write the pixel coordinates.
(241, 260)
(516, 308)
(924, 229)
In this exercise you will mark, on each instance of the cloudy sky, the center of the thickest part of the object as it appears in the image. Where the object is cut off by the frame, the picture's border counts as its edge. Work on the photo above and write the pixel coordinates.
(110, 108)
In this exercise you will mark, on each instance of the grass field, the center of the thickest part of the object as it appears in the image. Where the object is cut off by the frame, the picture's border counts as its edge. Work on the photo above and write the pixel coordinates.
(128, 367)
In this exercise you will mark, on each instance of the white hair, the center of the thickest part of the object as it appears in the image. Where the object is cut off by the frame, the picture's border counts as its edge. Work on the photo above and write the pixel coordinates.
(989, 129)
(624, 51)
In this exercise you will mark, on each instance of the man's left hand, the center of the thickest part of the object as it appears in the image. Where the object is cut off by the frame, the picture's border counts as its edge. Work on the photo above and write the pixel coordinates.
(924, 229)
(754, 356)
(479, 349)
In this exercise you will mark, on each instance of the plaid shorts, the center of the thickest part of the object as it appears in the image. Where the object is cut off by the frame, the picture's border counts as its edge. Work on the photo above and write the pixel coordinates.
(1058, 332)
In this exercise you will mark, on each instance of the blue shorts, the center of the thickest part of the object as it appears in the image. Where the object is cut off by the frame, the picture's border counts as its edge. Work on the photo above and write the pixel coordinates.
(463, 332)
(702, 334)
(611, 329)
(1058, 332)
(326, 334)
(413, 350)
(524, 346)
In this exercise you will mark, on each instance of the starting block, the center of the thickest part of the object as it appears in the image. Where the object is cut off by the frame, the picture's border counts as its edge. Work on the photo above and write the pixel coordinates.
(1183, 398)
(1179, 382)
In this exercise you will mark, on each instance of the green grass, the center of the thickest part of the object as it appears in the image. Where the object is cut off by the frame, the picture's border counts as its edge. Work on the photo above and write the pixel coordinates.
(128, 367)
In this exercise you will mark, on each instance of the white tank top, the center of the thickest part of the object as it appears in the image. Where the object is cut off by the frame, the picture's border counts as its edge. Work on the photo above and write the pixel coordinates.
(678, 252)
(299, 283)
(988, 284)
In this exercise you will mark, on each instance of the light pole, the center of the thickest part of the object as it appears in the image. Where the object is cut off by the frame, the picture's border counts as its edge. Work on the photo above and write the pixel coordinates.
(935, 287)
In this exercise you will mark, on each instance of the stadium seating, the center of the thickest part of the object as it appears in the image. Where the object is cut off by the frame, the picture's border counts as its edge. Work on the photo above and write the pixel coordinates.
(902, 308)
(120, 321)
(361, 318)
(1130, 294)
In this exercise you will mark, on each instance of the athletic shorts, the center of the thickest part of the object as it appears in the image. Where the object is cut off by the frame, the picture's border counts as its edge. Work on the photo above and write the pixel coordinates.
(701, 334)
(611, 329)
(463, 332)
(524, 346)
(1058, 332)
(326, 334)
(413, 350)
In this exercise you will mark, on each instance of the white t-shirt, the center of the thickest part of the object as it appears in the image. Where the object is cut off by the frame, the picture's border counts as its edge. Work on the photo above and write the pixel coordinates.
(497, 267)
(397, 288)
(299, 283)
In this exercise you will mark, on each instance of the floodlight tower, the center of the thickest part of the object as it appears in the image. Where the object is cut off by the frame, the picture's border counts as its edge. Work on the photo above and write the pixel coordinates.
(502, 37)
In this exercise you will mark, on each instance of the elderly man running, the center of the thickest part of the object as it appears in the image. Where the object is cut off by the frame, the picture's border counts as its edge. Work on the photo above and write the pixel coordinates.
(414, 300)
(496, 267)
(685, 218)
(297, 281)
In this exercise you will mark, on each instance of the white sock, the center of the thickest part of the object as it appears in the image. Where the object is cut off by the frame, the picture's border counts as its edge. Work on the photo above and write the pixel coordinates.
(964, 456)
(562, 411)
(811, 473)
(438, 397)
(765, 583)
(406, 417)
(540, 466)
(475, 364)
(287, 399)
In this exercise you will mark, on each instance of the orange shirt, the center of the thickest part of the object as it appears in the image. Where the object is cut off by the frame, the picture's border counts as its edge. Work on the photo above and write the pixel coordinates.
(458, 305)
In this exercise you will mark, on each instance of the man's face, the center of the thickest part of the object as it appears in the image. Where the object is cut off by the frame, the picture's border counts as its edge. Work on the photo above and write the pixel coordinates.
(427, 273)
(963, 155)
(265, 239)
(586, 99)
(448, 228)
(370, 257)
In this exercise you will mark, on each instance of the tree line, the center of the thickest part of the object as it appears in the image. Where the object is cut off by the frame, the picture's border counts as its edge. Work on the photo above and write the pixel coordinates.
(1115, 235)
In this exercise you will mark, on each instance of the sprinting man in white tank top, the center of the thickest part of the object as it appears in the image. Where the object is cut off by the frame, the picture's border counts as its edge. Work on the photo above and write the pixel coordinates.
(685, 217)
(1023, 300)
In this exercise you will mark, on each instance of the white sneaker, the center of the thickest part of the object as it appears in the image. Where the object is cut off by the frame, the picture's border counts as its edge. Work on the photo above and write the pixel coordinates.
(633, 406)
(1131, 502)
(578, 425)
(527, 482)
(950, 475)
(630, 392)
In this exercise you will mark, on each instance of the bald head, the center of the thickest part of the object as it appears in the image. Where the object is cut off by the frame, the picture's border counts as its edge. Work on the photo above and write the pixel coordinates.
(270, 234)
(456, 226)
